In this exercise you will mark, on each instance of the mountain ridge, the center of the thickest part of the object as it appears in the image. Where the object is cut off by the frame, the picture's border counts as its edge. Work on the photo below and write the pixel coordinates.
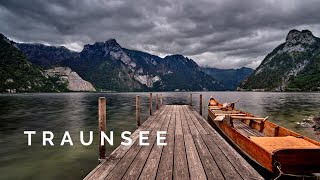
(109, 66)
(17, 74)
(292, 66)
(231, 78)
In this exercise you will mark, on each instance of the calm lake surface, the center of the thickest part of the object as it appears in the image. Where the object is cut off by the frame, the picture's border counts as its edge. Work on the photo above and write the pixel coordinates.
(75, 112)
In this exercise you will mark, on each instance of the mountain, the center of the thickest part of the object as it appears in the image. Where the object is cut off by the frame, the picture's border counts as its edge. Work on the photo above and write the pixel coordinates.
(292, 66)
(46, 56)
(70, 78)
(110, 67)
(17, 74)
(230, 78)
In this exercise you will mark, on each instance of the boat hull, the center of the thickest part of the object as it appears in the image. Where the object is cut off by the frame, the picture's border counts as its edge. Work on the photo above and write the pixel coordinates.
(295, 161)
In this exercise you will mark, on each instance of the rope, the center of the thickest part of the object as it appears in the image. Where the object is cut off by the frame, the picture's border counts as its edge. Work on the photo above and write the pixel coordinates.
(278, 166)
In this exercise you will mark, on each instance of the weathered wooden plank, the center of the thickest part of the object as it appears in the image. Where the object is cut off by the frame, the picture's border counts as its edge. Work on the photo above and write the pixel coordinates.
(180, 159)
(124, 168)
(209, 164)
(191, 125)
(247, 130)
(243, 167)
(196, 170)
(199, 127)
(137, 164)
(184, 123)
(166, 162)
(151, 166)
(194, 151)
(105, 167)
(228, 171)
(178, 130)
(102, 126)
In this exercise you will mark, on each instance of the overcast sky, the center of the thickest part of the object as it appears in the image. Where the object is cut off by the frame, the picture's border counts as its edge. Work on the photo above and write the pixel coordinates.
(216, 33)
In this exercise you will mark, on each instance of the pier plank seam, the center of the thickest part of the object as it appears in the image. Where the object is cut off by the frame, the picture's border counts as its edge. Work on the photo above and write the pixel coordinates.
(209, 164)
(220, 162)
(104, 168)
(124, 163)
(196, 169)
(196, 122)
(153, 160)
(136, 165)
(194, 151)
(180, 170)
(242, 166)
(165, 168)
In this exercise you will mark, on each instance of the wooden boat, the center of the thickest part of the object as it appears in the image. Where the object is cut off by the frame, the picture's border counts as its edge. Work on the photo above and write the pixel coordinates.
(275, 148)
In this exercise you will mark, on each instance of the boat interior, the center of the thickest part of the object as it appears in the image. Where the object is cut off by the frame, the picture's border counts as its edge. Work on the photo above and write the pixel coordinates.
(264, 133)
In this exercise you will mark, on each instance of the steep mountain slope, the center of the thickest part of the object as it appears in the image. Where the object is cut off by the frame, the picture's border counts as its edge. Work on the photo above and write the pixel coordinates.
(108, 66)
(231, 78)
(18, 75)
(174, 72)
(293, 65)
(47, 56)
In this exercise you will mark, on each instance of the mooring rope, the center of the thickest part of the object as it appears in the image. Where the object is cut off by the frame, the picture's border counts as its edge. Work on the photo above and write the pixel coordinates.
(278, 166)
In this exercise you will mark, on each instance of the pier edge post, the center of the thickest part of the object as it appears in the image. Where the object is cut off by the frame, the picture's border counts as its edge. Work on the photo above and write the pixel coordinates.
(201, 104)
(157, 106)
(102, 126)
(138, 111)
(150, 104)
(191, 99)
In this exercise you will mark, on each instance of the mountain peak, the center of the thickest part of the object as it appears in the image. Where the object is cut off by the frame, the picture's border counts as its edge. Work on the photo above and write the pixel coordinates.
(305, 36)
(105, 47)
(176, 56)
(112, 43)
(112, 40)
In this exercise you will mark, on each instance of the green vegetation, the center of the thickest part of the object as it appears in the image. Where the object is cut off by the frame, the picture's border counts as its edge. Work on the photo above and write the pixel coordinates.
(18, 75)
(309, 79)
(231, 78)
(292, 66)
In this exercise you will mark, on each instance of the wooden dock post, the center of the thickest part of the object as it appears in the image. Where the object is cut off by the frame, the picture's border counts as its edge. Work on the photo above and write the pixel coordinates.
(200, 104)
(157, 106)
(138, 111)
(161, 100)
(102, 126)
(190, 99)
(150, 104)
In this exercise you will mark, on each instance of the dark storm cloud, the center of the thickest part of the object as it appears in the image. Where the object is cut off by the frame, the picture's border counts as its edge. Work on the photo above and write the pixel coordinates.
(224, 34)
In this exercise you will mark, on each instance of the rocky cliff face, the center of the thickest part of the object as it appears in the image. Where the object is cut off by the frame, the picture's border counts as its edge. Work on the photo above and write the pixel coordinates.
(72, 80)
(293, 65)
(108, 66)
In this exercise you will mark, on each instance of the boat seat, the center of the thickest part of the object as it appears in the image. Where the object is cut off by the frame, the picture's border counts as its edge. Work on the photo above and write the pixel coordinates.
(226, 112)
(272, 144)
(246, 130)
(214, 107)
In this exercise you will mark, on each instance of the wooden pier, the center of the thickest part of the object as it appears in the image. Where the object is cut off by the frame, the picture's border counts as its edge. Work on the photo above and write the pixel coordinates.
(194, 151)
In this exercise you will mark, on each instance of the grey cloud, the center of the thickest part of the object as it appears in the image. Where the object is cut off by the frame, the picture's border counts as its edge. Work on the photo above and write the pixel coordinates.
(220, 33)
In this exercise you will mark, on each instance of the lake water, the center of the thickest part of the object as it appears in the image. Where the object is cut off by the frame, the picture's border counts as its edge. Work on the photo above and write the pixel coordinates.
(75, 112)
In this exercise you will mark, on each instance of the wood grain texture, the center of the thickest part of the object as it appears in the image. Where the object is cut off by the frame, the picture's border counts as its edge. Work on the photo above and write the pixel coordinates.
(102, 126)
(194, 150)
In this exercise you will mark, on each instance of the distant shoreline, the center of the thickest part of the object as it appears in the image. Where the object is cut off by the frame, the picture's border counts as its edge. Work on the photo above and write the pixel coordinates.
(96, 92)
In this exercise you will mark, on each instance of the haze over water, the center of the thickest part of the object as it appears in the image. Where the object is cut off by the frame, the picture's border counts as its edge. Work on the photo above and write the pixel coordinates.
(75, 112)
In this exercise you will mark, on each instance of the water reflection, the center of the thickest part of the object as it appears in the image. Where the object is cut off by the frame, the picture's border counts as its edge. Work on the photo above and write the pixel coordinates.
(78, 111)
